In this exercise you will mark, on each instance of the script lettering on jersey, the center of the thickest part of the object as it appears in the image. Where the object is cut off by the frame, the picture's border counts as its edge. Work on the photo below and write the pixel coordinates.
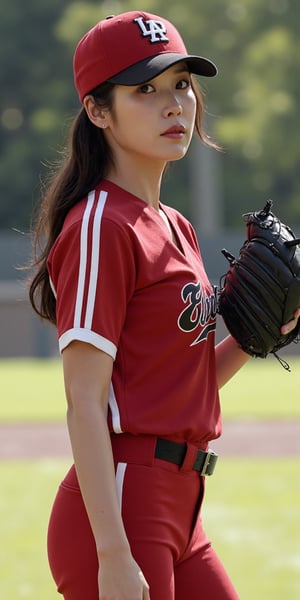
(156, 30)
(200, 310)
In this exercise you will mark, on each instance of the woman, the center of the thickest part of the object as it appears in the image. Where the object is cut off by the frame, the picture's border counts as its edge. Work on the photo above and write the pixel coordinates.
(122, 278)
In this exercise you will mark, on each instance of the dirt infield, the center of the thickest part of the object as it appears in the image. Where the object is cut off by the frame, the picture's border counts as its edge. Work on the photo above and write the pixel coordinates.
(239, 439)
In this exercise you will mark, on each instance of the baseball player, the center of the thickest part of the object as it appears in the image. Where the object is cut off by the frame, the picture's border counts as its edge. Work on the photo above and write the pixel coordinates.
(123, 280)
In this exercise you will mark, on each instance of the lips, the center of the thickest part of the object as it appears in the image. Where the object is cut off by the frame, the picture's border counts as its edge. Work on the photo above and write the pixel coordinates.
(174, 130)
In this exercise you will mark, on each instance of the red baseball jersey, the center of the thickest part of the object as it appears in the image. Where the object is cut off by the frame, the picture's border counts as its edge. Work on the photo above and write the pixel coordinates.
(124, 286)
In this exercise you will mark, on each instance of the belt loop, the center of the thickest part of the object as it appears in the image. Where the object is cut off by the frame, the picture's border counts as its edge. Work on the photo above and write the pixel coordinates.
(190, 457)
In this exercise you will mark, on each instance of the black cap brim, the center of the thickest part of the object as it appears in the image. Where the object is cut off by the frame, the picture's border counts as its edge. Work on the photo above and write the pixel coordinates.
(154, 65)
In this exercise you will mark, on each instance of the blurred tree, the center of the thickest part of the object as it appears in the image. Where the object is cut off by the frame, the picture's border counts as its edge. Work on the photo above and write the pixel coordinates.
(35, 86)
(259, 127)
(252, 106)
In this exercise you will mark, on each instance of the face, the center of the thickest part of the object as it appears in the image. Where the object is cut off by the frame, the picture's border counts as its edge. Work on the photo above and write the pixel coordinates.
(153, 121)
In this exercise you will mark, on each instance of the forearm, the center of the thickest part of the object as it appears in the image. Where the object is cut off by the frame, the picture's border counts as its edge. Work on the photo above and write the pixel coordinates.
(92, 453)
(229, 359)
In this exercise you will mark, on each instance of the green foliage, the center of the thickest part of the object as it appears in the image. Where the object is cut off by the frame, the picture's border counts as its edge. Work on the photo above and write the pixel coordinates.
(35, 78)
(252, 106)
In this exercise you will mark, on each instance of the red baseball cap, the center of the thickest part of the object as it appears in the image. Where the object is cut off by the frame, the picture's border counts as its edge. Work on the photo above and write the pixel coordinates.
(129, 49)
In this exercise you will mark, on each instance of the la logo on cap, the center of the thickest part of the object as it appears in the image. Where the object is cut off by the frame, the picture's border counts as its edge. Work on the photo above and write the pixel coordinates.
(150, 44)
(156, 30)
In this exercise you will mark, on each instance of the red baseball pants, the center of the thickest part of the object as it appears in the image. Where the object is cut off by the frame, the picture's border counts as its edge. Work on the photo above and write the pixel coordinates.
(160, 505)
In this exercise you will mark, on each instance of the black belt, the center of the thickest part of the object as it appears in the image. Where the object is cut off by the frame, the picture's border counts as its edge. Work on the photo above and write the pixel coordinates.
(175, 452)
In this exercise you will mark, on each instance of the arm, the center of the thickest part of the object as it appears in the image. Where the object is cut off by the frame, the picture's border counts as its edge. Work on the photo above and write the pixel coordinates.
(87, 373)
(230, 358)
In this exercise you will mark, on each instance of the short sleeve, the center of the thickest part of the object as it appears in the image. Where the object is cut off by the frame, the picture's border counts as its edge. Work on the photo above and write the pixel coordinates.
(92, 273)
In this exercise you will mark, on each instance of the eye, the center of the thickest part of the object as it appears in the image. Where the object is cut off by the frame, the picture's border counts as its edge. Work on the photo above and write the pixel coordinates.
(183, 84)
(146, 88)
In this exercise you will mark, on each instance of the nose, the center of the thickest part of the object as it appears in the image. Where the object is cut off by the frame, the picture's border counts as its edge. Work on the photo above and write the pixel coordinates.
(173, 107)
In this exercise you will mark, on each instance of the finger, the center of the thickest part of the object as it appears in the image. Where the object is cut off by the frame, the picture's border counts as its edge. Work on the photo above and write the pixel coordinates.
(297, 313)
(146, 593)
(288, 327)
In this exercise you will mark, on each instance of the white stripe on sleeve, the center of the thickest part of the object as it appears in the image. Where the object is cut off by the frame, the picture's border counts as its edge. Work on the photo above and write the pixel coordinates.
(94, 261)
(52, 287)
(83, 259)
(94, 268)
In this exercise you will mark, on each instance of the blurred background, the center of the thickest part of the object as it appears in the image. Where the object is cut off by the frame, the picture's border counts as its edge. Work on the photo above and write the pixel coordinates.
(252, 111)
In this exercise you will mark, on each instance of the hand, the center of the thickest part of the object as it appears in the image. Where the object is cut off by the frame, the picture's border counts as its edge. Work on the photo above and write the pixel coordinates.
(120, 578)
(288, 327)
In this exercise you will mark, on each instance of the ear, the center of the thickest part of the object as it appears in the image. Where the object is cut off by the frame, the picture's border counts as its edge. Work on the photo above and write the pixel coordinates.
(95, 113)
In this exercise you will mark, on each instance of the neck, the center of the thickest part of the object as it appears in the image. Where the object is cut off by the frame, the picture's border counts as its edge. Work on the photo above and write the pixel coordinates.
(144, 181)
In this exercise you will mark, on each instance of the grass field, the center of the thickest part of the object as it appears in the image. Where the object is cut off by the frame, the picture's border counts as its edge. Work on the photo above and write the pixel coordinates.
(27, 492)
(33, 391)
(252, 513)
(251, 510)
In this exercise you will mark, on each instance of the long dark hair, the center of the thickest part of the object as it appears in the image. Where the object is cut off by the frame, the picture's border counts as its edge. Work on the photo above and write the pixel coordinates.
(87, 160)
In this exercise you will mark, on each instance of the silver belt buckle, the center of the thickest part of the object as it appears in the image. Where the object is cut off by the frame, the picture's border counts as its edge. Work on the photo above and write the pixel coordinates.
(210, 461)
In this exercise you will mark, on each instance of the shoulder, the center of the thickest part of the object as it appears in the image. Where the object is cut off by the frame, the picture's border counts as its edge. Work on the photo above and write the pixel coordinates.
(106, 203)
(105, 215)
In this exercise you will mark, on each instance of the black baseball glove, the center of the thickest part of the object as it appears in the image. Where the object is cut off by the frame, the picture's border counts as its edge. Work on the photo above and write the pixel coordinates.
(261, 290)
